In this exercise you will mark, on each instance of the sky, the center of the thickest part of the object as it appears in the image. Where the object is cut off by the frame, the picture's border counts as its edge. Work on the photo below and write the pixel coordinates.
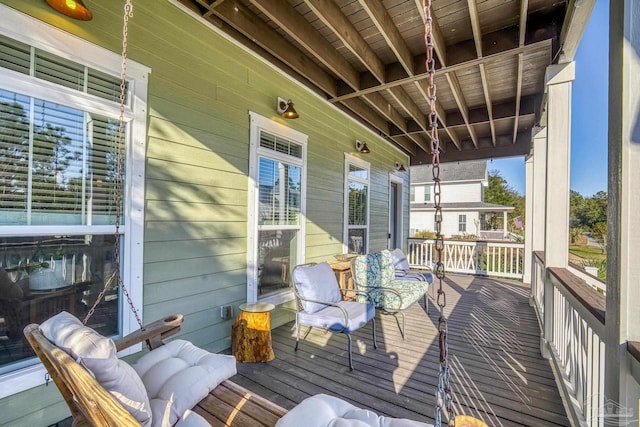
(589, 113)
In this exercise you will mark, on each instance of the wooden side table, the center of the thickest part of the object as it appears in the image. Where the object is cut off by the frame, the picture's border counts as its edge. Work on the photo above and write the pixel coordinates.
(343, 271)
(251, 333)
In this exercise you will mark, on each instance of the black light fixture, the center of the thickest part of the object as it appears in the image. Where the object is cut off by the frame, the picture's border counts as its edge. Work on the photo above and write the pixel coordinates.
(72, 8)
(286, 110)
(361, 146)
(399, 167)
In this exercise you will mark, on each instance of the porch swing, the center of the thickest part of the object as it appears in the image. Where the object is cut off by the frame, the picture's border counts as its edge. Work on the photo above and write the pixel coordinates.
(76, 357)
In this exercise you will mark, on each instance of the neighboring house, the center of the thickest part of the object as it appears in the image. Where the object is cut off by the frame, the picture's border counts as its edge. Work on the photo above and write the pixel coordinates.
(464, 210)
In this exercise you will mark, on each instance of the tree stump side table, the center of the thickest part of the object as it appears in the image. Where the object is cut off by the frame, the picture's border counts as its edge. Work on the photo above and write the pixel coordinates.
(251, 333)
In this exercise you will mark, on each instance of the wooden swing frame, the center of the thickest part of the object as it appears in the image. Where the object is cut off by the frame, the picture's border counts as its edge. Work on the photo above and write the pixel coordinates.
(91, 405)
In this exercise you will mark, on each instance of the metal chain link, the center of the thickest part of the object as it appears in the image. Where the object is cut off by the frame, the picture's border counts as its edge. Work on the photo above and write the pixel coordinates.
(444, 396)
(128, 13)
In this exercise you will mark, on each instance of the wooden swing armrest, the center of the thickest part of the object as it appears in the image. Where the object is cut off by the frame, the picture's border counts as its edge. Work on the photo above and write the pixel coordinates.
(153, 333)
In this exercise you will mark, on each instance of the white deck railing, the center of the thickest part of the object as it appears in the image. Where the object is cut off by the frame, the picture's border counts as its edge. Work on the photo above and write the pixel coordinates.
(499, 259)
(574, 336)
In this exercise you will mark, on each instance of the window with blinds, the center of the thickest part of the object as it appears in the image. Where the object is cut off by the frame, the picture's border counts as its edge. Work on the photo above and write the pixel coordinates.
(279, 192)
(280, 145)
(356, 205)
(58, 164)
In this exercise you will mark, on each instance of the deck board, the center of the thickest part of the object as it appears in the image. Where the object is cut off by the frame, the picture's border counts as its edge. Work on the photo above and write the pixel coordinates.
(497, 372)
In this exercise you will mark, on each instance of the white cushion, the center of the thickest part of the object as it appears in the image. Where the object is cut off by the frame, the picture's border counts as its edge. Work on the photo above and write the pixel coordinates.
(178, 375)
(316, 282)
(332, 318)
(400, 262)
(98, 354)
(322, 410)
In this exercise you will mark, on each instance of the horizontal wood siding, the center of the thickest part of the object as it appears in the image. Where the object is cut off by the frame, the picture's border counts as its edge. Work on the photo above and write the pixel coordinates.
(201, 90)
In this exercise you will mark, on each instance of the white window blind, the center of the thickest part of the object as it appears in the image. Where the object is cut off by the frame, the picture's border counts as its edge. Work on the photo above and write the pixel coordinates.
(58, 163)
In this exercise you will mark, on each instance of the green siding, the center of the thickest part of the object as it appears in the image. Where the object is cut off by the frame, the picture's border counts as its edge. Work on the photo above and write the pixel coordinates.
(201, 90)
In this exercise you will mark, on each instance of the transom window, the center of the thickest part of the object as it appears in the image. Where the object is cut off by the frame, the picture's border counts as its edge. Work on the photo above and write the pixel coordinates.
(356, 205)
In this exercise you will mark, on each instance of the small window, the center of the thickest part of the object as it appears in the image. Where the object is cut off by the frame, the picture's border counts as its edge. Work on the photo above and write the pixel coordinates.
(462, 223)
(427, 193)
(412, 194)
(356, 205)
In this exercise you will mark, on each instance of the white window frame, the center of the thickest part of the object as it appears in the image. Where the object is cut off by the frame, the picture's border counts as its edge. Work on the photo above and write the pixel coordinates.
(43, 36)
(461, 223)
(356, 161)
(260, 123)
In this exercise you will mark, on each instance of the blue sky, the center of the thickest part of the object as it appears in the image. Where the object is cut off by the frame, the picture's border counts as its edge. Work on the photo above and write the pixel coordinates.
(589, 113)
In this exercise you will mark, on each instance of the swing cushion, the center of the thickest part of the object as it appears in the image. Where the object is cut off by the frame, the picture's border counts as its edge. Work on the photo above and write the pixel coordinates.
(98, 355)
(322, 410)
(178, 375)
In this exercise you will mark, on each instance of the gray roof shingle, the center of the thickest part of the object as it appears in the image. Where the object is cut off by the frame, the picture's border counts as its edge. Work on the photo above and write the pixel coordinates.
(450, 172)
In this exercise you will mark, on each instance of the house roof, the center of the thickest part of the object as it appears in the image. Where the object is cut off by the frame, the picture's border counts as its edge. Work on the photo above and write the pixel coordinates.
(451, 172)
(462, 206)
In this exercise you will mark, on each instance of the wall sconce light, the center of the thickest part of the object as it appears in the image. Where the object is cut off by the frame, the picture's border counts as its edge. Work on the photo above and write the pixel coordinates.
(399, 167)
(285, 109)
(72, 8)
(361, 146)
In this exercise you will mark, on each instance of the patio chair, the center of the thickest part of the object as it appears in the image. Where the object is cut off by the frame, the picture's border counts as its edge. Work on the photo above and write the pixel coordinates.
(320, 305)
(375, 275)
(404, 272)
(176, 384)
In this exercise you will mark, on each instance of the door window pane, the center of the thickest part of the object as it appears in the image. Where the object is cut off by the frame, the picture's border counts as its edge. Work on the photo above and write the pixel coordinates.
(357, 203)
(276, 257)
(357, 240)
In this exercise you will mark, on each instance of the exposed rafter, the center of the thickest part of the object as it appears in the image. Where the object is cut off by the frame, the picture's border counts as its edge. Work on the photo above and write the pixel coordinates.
(524, 7)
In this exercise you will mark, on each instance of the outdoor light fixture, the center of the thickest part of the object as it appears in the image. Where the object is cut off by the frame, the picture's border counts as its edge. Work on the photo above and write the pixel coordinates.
(361, 146)
(72, 8)
(285, 109)
(399, 167)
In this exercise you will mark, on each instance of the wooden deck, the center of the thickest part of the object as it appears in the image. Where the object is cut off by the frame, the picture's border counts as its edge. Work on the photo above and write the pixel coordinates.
(497, 372)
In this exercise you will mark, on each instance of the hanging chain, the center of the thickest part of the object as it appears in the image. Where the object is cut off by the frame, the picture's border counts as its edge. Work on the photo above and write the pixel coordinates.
(128, 13)
(444, 397)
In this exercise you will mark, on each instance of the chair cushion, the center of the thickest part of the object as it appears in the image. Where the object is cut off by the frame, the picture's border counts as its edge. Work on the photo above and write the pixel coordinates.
(178, 375)
(322, 410)
(373, 270)
(332, 318)
(98, 354)
(420, 276)
(317, 282)
(400, 262)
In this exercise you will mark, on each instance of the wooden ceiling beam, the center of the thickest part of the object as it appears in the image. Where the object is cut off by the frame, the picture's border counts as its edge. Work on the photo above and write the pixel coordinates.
(576, 18)
(543, 44)
(405, 101)
(405, 143)
(240, 18)
(361, 109)
(377, 101)
(462, 104)
(380, 17)
(291, 22)
(477, 38)
(524, 7)
(329, 13)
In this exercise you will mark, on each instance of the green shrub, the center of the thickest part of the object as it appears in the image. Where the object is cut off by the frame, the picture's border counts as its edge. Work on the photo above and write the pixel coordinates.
(600, 264)
(425, 234)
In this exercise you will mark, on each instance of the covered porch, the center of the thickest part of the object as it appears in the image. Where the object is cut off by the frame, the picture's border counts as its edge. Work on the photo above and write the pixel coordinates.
(498, 374)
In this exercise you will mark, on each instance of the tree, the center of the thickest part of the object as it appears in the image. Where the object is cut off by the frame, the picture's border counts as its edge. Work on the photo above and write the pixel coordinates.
(501, 193)
(599, 233)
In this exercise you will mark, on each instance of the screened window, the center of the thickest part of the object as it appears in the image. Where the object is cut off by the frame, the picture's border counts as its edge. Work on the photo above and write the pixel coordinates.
(462, 223)
(58, 167)
(278, 168)
(356, 205)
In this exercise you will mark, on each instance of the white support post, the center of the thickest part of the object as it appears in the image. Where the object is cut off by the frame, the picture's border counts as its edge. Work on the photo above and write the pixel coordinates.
(528, 221)
(558, 79)
(505, 231)
(623, 237)
(539, 181)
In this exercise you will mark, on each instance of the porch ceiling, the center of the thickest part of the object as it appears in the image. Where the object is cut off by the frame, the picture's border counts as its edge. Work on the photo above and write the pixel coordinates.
(368, 58)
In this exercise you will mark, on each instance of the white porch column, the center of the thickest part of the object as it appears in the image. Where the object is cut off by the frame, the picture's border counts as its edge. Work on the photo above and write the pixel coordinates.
(505, 230)
(559, 79)
(623, 237)
(528, 220)
(539, 181)
(556, 241)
